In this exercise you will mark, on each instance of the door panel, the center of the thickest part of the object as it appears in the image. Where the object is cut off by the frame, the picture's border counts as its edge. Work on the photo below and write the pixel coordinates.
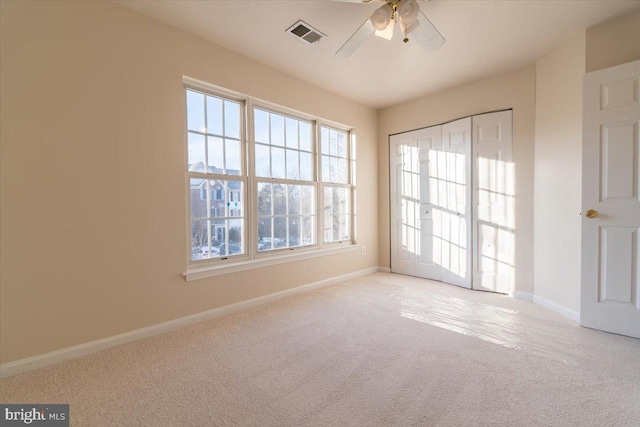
(619, 269)
(619, 166)
(611, 159)
(403, 155)
(428, 140)
(493, 203)
(451, 202)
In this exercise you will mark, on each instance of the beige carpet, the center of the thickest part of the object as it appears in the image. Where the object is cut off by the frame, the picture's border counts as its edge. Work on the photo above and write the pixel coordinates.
(382, 350)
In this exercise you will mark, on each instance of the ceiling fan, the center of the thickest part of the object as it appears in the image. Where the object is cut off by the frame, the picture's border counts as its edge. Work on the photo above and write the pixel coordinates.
(409, 17)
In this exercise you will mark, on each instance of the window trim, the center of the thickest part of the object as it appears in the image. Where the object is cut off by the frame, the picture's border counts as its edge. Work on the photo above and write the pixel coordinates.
(252, 258)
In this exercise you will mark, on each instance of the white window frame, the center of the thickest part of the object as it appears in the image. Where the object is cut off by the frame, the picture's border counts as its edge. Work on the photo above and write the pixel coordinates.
(349, 185)
(252, 258)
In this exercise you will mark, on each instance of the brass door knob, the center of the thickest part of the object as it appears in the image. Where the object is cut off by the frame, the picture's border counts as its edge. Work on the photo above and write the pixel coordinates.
(591, 213)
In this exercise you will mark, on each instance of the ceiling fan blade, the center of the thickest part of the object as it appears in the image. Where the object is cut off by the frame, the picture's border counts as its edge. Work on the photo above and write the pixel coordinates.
(361, 34)
(427, 34)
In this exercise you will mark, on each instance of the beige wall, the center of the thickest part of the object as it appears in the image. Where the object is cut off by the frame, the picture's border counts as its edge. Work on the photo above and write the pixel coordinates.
(92, 139)
(613, 42)
(512, 90)
(558, 173)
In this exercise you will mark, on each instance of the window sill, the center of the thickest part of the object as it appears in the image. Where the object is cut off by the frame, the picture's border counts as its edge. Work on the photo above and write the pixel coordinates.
(196, 273)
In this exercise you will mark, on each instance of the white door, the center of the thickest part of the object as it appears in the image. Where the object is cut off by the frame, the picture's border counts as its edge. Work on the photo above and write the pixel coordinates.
(405, 196)
(411, 219)
(430, 212)
(610, 200)
(452, 202)
(494, 203)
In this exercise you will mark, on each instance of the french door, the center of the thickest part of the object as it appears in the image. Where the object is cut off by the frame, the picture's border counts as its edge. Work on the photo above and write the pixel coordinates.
(452, 202)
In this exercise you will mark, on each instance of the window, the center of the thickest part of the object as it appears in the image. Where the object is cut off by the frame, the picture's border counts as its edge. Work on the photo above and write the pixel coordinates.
(214, 130)
(297, 195)
(284, 170)
(337, 191)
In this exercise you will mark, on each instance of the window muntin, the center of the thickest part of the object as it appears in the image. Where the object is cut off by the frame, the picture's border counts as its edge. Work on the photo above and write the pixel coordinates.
(217, 212)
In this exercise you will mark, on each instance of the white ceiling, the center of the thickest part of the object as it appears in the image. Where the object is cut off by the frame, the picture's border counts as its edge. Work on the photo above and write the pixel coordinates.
(484, 37)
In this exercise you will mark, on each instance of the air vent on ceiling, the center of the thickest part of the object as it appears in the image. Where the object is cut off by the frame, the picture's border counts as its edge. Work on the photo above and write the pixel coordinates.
(305, 32)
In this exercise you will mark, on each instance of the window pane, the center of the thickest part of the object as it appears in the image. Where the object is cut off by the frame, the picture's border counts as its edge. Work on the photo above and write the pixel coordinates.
(277, 129)
(326, 164)
(307, 231)
(235, 202)
(294, 199)
(196, 152)
(265, 240)
(333, 142)
(341, 173)
(198, 194)
(336, 214)
(292, 165)
(214, 115)
(277, 162)
(235, 237)
(262, 161)
(279, 200)
(232, 119)
(261, 125)
(306, 167)
(232, 155)
(344, 227)
(217, 198)
(218, 236)
(195, 111)
(264, 199)
(307, 199)
(294, 231)
(342, 144)
(305, 136)
(279, 232)
(216, 159)
(199, 240)
(291, 132)
(324, 137)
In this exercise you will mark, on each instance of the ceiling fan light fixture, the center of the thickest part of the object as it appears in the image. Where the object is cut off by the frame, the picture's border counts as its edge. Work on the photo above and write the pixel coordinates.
(387, 33)
(382, 17)
(408, 11)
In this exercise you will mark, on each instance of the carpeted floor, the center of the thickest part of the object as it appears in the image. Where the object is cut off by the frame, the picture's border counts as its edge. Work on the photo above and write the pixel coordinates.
(381, 350)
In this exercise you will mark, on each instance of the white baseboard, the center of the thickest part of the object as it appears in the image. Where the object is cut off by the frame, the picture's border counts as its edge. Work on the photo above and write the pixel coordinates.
(561, 309)
(553, 306)
(526, 296)
(384, 269)
(42, 360)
